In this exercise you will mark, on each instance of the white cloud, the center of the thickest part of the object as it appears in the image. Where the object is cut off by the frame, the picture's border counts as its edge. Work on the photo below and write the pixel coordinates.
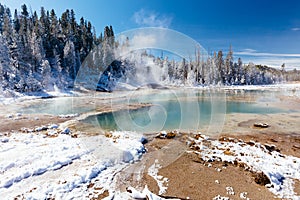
(249, 50)
(270, 59)
(252, 52)
(295, 29)
(151, 18)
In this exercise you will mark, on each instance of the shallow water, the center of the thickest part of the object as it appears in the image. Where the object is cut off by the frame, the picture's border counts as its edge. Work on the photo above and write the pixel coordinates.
(58, 106)
(184, 109)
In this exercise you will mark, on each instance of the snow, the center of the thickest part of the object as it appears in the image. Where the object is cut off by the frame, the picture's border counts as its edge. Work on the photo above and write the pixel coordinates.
(229, 190)
(161, 181)
(219, 197)
(145, 194)
(243, 195)
(281, 169)
(38, 167)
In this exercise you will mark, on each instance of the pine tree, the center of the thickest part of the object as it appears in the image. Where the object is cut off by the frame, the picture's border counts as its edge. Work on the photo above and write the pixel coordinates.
(70, 59)
(46, 74)
(5, 69)
(108, 46)
(24, 22)
(240, 72)
(2, 11)
(17, 25)
(7, 29)
(229, 67)
(220, 67)
(65, 23)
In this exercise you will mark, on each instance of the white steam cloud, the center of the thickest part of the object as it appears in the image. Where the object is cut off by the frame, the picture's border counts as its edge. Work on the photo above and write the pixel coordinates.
(146, 40)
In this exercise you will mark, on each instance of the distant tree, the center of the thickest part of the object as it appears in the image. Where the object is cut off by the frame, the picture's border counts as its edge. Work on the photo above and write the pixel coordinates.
(65, 23)
(5, 67)
(24, 22)
(16, 21)
(24, 11)
(220, 67)
(229, 67)
(2, 11)
(7, 29)
(283, 67)
(108, 46)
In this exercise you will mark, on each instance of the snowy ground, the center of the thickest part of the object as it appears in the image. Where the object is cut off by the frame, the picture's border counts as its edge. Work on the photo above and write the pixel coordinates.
(53, 164)
(281, 169)
(36, 166)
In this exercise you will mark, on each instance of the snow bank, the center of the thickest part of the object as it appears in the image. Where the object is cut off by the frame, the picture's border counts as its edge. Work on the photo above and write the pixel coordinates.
(35, 166)
(281, 169)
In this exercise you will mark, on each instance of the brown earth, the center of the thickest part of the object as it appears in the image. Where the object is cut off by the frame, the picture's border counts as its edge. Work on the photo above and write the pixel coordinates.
(15, 123)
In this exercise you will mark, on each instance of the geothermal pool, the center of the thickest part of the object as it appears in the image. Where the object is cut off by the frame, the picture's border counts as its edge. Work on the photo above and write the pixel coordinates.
(183, 109)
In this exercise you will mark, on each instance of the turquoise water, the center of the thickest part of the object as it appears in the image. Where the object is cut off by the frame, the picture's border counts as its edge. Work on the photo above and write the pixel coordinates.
(184, 110)
(187, 109)
(59, 106)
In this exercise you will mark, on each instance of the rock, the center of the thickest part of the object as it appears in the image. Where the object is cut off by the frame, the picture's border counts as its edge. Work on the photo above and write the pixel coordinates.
(171, 135)
(197, 136)
(271, 147)
(136, 194)
(297, 146)
(108, 135)
(53, 126)
(41, 128)
(228, 152)
(65, 131)
(144, 140)
(251, 143)
(4, 140)
(261, 179)
(9, 116)
(127, 157)
(165, 135)
(261, 125)
(161, 135)
(74, 135)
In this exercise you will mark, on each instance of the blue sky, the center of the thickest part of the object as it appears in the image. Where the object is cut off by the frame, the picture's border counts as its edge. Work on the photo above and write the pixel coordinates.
(265, 32)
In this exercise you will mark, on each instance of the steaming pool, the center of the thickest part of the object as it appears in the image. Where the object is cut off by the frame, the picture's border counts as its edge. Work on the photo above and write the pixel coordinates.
(183, 109)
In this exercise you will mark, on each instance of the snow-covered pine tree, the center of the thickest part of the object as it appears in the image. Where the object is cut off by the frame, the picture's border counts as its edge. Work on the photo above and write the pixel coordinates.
(2, 10)
(220, 68)
(229, 67)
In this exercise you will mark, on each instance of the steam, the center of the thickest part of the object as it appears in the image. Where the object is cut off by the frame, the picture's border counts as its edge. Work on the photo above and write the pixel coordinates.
(163, 39)
(143, 40)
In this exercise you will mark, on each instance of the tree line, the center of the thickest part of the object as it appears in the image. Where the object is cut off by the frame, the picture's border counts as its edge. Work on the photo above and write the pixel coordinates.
(219, 69)
(39, 52)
